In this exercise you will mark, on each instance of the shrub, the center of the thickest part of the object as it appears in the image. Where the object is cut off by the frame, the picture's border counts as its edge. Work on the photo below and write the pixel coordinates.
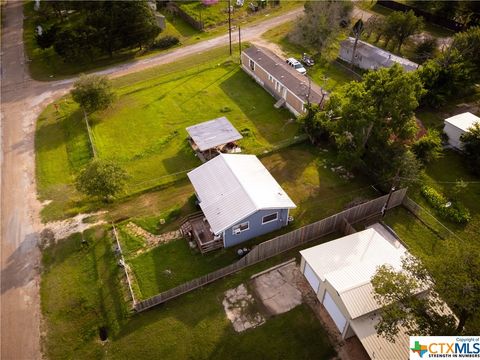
(456, 212)
(425, 50)
(165, 42)
(428, 147)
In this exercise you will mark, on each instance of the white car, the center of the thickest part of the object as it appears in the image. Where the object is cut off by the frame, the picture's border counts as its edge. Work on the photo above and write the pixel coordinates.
(296, 65)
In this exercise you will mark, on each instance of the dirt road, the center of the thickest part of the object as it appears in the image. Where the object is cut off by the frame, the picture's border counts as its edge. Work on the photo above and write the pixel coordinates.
(22, 100)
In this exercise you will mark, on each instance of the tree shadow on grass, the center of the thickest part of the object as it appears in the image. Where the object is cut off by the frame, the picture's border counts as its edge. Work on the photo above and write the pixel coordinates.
(185, 159)
(257, 104)
(67, 130)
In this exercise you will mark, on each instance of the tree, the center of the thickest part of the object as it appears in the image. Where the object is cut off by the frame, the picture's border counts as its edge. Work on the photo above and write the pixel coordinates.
(375, 25)
(76, 43)
(456, 268)
(397, 292)
(401, 25)
(99, 27)
(471, 147)
(372, 122)
(101, 178)
(428, 147)
(123, 24)
(447, 76)
(467, 43)
(321, 23)
(425, 50)
(93, 92)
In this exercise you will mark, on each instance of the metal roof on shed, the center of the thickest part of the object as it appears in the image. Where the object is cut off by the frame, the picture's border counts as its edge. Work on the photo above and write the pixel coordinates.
(289, 77)
(352, 260)
(463, 121)
(210, 134)
(232, 187)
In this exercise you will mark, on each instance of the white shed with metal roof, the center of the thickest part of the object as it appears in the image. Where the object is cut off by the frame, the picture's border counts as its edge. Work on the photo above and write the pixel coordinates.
(340, 272)
(458, 125)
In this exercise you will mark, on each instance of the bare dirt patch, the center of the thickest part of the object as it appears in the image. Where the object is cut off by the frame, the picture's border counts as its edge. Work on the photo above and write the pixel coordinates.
(79, 223)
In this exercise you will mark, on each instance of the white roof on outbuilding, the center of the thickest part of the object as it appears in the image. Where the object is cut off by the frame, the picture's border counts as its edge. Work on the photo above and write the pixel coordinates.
(349, 263)
(352, 260)
(463, 121)
(231, 187)
(210, 134)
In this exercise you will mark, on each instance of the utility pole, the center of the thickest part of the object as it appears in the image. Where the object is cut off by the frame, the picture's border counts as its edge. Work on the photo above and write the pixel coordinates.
(230, 26)
(239, 45)
(392, 189)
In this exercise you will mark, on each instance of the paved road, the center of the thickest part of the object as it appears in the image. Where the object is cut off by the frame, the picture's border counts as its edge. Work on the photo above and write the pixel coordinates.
(22, 100)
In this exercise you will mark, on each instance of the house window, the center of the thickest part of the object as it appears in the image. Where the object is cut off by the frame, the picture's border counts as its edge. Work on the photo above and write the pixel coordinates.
(269, 218)
(252, 65)
(237, 229)
(269, 77)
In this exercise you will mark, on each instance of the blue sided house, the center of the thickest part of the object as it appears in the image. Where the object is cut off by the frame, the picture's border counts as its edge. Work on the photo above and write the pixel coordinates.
(239, 199)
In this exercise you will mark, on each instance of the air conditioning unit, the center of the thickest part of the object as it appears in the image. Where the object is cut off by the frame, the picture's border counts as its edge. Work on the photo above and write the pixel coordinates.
(237, 231)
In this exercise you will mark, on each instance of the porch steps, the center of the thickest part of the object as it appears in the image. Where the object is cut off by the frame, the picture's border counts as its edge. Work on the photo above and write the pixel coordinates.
(279, 103)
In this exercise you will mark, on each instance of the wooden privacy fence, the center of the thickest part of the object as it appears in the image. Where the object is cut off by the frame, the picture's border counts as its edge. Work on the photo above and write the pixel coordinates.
(281, 244)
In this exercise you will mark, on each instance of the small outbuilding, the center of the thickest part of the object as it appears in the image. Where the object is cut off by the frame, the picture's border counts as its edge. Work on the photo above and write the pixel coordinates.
(340, 271)
(458, 125)
(239, 200)
(210, 138)
(370, 57)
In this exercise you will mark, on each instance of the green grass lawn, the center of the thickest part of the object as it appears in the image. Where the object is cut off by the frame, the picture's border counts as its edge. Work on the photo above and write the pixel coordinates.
(145, 132)
(81, 291)
(305, 174)
(327, 72)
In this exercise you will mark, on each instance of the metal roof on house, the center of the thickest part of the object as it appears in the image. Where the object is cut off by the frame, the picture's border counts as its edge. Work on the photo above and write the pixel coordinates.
(378, 347)
(381, 57)
(463, 121)
(232, 187)
(210, 134)
(289, 77)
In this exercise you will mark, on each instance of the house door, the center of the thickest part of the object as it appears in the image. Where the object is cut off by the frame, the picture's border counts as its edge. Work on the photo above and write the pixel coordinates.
(311, 277)
(334, 312)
